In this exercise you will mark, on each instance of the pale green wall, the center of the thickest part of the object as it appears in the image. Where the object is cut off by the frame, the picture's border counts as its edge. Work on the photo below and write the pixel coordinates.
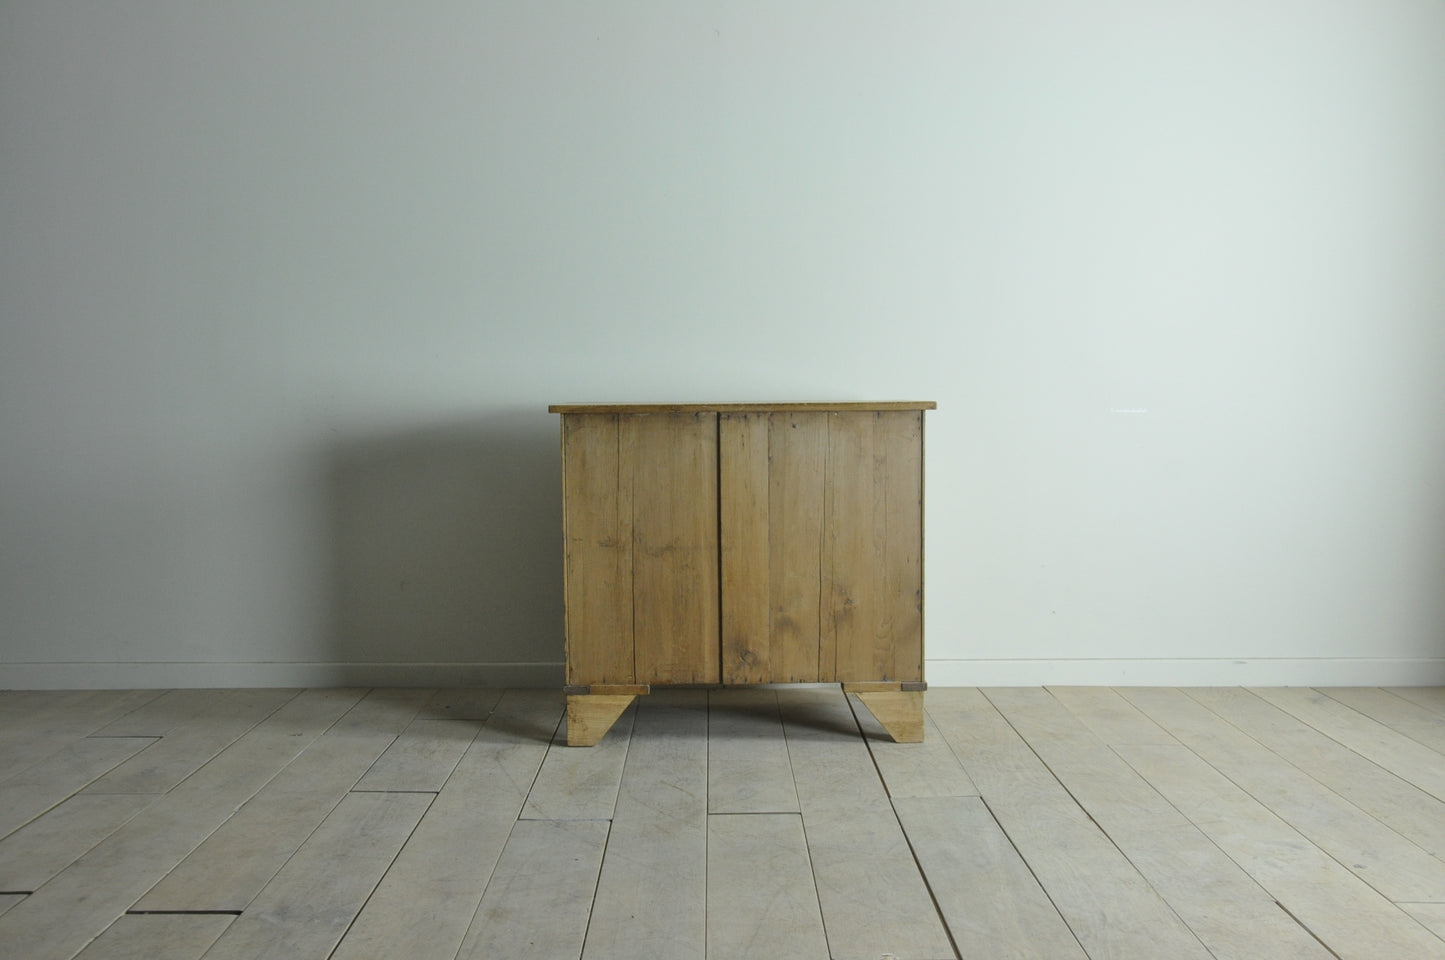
(285, 289)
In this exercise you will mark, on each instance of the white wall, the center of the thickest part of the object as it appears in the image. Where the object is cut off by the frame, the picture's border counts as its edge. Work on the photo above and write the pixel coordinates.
(285, 289)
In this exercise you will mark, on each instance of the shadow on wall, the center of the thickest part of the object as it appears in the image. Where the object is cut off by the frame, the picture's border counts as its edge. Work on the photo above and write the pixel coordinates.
(447, 550)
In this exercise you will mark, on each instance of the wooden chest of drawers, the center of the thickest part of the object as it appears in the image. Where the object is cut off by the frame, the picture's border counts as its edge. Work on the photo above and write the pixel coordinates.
(743, 543)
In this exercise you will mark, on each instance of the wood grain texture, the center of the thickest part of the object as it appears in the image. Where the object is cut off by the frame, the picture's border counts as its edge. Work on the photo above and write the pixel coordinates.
(797, 518)
(874, 477)
(591, 715)
(675, 547)
(898, 712)
(597, 563)
(761, 902)
(743, 492)
(992, 903)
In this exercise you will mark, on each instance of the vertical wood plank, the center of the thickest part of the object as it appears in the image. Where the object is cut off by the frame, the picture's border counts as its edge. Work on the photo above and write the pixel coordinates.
(743, 518)
(875, 471)
(761, 902)
(652, 893)
(899, 471)
(540, 896)
(597, 508)
(797, 452)
(172, 937)
(675, 548)
(854, 553)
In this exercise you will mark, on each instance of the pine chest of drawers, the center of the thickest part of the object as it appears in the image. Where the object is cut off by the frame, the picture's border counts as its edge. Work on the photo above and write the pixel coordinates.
(743, 543)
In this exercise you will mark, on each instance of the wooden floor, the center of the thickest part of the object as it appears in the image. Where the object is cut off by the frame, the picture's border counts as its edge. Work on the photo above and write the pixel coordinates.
(768, 823)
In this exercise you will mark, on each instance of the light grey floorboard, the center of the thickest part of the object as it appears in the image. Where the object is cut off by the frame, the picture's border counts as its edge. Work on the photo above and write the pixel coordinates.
(36, 724)
(1421, 724)
(1400, 805)
(858, 851)
(47, 845)
(992, 903)
(1352, 918)
(1227, 910)
(1110, 907)
(423, 756)
(422, 908)
(1431, 915)
(927, 769)
(165, 937)
(1431, 698)
(84, 899)
(307, 907)
(1112, 718)
(1394, 865)
(580, 783)
(761, 902)
(8, 900)
(651, 899)
(234, 863)
(537, 904)
(748, 769)
(461, 703)
(49, 782)
(1411, 761)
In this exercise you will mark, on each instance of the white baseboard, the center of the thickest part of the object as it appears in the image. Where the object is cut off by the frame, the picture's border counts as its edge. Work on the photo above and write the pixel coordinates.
(172, 675)
(1304, 672)
(1317, 672)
